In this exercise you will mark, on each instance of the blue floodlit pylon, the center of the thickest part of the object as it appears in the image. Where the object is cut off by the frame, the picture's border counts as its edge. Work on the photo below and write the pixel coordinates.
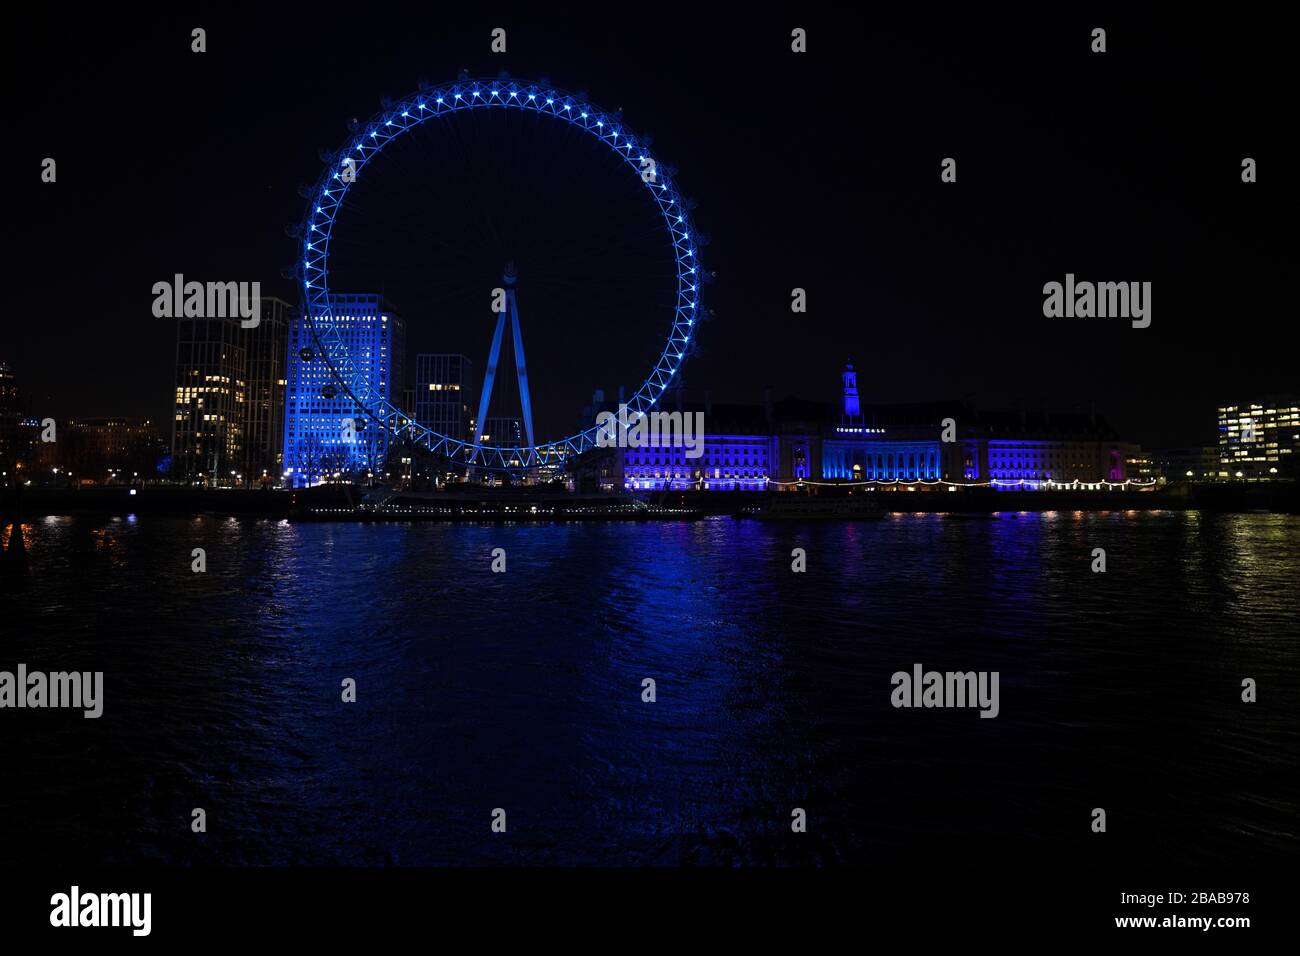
(327, 200)
(494, 354)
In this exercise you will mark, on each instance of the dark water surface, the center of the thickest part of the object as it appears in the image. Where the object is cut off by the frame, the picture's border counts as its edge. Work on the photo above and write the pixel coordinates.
(522, 691)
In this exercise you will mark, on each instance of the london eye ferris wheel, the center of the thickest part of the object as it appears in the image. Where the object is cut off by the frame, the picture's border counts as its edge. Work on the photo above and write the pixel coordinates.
(432, 110)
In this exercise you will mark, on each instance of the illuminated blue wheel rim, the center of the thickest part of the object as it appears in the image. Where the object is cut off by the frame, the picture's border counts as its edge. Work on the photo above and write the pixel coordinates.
(327, 201)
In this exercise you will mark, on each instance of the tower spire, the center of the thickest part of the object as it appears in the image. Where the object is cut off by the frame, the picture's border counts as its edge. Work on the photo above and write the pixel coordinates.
(850, 378)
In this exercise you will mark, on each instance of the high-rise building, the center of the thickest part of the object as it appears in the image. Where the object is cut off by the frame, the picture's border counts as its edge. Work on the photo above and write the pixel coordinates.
(266, 347)
(444, 392)
(8, 391)
(1260, 439)
(325, 434)
(211, 391)
(10, 414)
(228, 421)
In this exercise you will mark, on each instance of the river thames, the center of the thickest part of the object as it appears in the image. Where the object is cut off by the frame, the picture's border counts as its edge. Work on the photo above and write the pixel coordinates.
(523, 691)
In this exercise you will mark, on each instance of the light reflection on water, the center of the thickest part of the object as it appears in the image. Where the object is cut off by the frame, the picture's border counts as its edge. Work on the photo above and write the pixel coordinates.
(522, 690)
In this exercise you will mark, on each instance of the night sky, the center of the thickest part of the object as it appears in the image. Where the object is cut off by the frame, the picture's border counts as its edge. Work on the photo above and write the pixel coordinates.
(819, 171)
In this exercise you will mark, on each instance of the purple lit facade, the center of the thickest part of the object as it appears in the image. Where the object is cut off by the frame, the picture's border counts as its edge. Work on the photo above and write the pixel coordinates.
(740, 452)
(887, 444)
(859, 453)
(748, 447)
(1008, 450)
(728, 463)
(1066, 461)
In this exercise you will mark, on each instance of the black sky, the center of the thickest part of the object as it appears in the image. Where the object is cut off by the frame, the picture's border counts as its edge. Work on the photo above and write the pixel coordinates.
(819, 171)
